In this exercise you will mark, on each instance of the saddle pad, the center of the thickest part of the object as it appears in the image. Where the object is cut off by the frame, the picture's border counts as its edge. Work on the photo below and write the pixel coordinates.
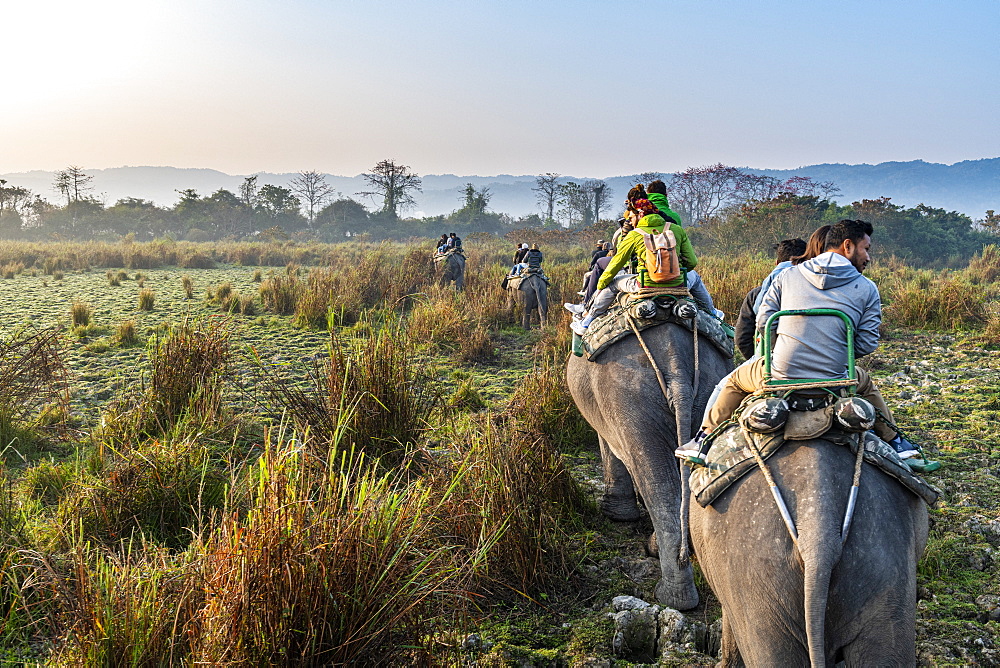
(730, 458)
(514, 282)
(613, 326)
(804, 425)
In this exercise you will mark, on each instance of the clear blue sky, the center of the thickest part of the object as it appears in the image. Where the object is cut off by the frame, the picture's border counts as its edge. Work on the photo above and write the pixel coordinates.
(584, 88)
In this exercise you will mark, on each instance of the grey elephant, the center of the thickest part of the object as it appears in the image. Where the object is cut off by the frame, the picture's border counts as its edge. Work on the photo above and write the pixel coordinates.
(638, 428)
(534, 296)
(450, 267)
(813, 601)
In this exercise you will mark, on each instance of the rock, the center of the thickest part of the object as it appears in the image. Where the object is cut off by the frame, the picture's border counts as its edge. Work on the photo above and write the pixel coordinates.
(905, 394)
(990, 605)
(713, 639)
(620, 603)
(988, 529)
(472, 643)
(677, 630)
(635, 633)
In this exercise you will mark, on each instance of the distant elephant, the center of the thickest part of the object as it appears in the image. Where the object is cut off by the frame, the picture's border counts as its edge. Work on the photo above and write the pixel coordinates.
(535, 292)
(450, 267)
(788, 604)
(619, 395)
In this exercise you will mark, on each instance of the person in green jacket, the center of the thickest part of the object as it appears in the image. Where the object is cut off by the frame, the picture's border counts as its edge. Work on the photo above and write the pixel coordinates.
(647, 219)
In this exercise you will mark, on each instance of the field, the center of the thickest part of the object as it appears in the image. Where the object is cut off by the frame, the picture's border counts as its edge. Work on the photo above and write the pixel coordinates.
(302, 454)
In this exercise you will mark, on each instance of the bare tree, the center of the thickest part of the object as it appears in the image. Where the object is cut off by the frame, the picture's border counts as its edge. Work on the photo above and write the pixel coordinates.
(646, 177)
(600, 196)
(312, 187)
(547, 192)
(73, 184)
(394, 184)
(702, 192)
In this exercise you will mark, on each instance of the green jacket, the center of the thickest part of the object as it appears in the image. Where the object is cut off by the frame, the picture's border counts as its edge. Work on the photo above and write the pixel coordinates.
(633, 245)
(664, 206)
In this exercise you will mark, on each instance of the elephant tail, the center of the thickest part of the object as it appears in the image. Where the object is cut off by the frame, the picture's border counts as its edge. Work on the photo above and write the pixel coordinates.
(817, 591)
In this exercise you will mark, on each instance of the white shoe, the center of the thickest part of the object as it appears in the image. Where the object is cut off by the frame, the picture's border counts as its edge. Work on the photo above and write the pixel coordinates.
(573, 308)
(578, 327)
(582, 293)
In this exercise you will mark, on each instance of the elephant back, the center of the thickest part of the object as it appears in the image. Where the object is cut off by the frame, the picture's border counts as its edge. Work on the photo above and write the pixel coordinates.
(614, 326)
(731, 458)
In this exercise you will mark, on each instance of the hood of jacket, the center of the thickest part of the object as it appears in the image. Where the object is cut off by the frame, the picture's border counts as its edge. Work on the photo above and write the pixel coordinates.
(829, 270)
(663, 205)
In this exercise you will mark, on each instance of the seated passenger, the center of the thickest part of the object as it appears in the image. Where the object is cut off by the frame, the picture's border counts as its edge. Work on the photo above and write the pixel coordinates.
(647, 220)
(533, 259)
(812, 347)
(746, 321)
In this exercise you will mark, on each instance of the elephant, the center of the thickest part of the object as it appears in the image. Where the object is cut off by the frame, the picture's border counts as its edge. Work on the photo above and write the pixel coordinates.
(638, 428)
(813, 601)
(536, 297)
(451, 267)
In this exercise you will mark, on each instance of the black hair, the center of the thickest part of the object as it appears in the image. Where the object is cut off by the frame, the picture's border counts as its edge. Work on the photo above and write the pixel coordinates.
(855, 230)
(789, 248)
(657, 186)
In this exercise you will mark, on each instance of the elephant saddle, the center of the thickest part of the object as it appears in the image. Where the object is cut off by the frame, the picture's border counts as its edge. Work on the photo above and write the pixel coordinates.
(730, 458)
(614, 325)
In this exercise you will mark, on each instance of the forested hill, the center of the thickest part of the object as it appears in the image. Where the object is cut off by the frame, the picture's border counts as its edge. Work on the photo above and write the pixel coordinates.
(970, 187)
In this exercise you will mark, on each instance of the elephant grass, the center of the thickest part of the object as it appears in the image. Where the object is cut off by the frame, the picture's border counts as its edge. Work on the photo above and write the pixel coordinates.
(369, 393)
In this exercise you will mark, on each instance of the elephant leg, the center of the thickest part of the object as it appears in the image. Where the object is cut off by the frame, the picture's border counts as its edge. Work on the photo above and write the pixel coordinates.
(529, 306)
(729, 652)
(676, 586)
(543, 306)
(618, 502)
(460, 280)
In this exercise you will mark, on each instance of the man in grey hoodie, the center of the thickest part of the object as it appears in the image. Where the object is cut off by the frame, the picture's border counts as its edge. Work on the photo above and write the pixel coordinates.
(809, 347)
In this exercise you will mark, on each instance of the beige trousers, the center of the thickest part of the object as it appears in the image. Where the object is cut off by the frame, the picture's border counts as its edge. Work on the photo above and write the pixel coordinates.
(748, 378)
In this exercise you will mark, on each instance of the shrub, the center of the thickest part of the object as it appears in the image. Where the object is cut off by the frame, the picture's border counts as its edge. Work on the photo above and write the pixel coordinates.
(113, 279)
(80, 314)
(58, 275)
(188, 286)
(146, 299)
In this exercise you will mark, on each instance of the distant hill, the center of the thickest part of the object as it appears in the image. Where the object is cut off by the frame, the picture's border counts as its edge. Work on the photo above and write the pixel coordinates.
(971, 187)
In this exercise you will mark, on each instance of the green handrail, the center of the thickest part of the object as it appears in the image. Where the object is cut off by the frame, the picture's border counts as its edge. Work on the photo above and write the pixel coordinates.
(851, 372)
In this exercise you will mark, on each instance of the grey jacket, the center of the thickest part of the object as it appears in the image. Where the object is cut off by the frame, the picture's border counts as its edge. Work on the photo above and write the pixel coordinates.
(816, 346)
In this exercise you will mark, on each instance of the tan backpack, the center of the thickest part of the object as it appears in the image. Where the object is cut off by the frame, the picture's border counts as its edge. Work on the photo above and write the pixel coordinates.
(661, 260)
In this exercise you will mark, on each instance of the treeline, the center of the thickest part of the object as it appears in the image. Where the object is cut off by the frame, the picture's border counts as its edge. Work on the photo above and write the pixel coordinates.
(726, 209)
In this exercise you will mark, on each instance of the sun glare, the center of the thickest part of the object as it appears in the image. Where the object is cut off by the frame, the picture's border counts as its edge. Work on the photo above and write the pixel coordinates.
(61, 48)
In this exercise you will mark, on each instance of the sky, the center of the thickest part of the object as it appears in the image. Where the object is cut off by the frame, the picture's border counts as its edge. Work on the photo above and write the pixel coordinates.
(585, 88)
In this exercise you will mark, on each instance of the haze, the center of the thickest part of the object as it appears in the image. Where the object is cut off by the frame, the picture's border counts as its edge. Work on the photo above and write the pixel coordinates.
(589, 88)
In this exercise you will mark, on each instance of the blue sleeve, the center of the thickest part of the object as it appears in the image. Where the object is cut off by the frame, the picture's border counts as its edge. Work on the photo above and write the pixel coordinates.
(867, 335)
(770, 303)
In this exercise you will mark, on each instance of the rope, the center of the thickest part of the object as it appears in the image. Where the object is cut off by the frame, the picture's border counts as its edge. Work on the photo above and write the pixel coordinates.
(857, 462)
(775, 492)
(659, 376)
(694, 327)
(847, 382)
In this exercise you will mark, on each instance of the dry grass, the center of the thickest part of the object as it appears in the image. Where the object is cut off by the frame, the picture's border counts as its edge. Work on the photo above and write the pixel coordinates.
(80, 314)
(146, 299)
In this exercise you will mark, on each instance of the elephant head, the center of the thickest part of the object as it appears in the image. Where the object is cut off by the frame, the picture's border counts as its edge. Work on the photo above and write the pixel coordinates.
(639, 428)
(813, 600)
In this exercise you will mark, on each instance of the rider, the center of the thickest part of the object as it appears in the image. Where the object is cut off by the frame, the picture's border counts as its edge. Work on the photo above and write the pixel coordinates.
(442, 243)
(647, 219)
(746, 320)
(532, 260)
(815, 346)
(454, 242)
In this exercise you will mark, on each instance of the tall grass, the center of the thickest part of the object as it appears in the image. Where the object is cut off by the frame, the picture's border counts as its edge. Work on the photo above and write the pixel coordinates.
(183, 388)
(369, 393)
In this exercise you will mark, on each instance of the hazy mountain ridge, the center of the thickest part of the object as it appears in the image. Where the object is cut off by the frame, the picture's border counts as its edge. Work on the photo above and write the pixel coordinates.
(971, 186)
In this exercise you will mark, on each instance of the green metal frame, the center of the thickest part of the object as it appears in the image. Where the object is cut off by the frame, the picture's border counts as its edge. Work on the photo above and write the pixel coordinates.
(768, 328)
